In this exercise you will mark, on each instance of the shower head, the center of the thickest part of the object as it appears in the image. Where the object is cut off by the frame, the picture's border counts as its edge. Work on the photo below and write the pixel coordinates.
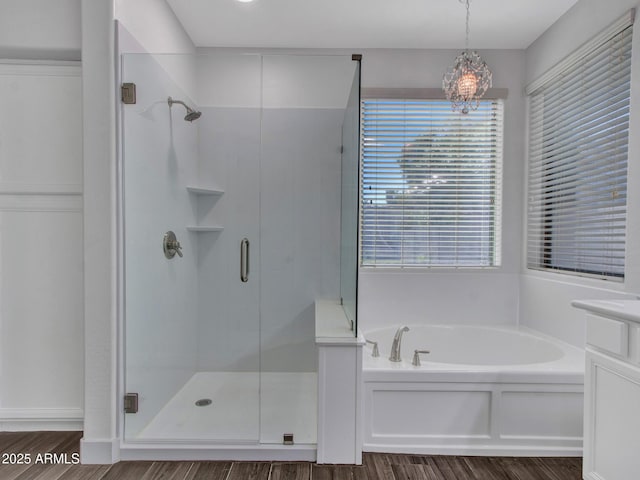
(191, 113)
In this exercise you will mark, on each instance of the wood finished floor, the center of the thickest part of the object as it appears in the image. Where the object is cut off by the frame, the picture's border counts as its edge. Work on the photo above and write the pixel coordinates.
(377, 466)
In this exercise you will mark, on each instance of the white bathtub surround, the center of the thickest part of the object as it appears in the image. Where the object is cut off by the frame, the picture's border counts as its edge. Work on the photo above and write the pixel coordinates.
(612, 389)
(339, 386)
(512, 404)
(390, 296)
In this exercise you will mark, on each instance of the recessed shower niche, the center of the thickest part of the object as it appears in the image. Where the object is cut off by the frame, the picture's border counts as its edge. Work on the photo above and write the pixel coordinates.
(205, 198)
(230, 321)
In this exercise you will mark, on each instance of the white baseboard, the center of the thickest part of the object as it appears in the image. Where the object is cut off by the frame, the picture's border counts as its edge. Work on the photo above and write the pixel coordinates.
(476, 450)
(99, 451)
(204, 452)
(39, 419)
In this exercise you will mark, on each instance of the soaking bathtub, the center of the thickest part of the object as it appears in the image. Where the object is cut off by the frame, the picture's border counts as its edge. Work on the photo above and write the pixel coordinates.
(480, 391)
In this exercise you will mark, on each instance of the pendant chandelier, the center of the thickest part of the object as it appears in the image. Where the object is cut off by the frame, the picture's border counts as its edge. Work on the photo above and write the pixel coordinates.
(469, 79)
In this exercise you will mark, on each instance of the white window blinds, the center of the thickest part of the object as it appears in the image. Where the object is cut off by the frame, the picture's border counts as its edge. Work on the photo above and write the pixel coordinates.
(579, 127)
(431, 184)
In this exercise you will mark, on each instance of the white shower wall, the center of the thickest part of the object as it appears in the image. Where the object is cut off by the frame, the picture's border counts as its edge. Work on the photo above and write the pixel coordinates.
(280, 169)
(300, 230)
(228, 309)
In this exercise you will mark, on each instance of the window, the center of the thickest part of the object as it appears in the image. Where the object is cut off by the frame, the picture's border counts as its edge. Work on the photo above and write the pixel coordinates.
(431, 184)
(579, 127)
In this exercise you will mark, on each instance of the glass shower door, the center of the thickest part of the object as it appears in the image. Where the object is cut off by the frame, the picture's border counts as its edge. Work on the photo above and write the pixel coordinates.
(191, 314)
(229, 261)
(219, 334)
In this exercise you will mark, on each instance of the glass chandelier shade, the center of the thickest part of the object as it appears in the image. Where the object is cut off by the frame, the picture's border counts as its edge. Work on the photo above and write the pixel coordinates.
(466, 82)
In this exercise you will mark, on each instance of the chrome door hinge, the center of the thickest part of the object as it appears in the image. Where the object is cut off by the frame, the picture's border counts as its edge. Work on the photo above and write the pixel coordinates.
(128, 93)
(131, 403)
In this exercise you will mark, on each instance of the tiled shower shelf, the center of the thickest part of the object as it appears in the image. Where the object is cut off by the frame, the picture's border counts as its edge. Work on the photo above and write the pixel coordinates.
(201, 228)
(205, 191)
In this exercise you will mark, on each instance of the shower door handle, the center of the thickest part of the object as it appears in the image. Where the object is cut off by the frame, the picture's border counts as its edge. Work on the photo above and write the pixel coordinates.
(244, 260)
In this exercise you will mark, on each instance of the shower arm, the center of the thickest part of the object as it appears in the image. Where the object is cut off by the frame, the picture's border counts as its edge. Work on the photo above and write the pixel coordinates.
(171, 101)
(191, 113)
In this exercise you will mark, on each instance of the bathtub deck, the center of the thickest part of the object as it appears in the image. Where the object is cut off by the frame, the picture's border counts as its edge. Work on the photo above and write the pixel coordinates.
(377, 466)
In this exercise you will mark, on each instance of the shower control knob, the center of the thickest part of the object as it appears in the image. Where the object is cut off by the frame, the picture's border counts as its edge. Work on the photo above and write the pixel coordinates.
(170, 245)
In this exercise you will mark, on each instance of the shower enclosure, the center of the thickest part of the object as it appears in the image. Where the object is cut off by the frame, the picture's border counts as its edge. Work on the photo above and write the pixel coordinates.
(231, 199)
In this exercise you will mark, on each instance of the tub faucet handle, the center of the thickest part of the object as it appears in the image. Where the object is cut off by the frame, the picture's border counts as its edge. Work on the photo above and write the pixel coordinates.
(375, 352)
(416, 357)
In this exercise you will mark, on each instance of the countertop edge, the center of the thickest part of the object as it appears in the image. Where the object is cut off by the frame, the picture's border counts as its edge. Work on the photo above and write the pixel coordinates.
(611, 308)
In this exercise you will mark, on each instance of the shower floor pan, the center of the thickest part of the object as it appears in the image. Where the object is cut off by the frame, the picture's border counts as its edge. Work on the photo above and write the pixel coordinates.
(245, 407)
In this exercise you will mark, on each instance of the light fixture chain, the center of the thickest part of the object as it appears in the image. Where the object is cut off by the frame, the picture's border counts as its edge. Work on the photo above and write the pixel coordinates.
(466, 38)
(469, 79)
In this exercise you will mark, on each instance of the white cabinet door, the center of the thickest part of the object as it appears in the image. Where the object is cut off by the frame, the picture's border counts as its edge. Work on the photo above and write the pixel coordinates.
(612, 419)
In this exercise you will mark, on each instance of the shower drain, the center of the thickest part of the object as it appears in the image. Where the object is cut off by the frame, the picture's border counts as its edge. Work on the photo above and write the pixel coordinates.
(203, 402)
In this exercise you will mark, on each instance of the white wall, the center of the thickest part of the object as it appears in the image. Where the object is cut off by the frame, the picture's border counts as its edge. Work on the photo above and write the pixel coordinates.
(99, 443)
(154, 26)
(545, 297)
(41, 321)
(40, 29)
(41, 318)
(392, 297)
(579, 24)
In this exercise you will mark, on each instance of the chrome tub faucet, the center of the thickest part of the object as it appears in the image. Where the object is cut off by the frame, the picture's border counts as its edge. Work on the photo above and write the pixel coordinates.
(396, 345)
(375, 352)
(416, 357)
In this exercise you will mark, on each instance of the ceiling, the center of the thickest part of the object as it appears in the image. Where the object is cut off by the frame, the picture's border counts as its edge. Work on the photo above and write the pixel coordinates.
(366, 23)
